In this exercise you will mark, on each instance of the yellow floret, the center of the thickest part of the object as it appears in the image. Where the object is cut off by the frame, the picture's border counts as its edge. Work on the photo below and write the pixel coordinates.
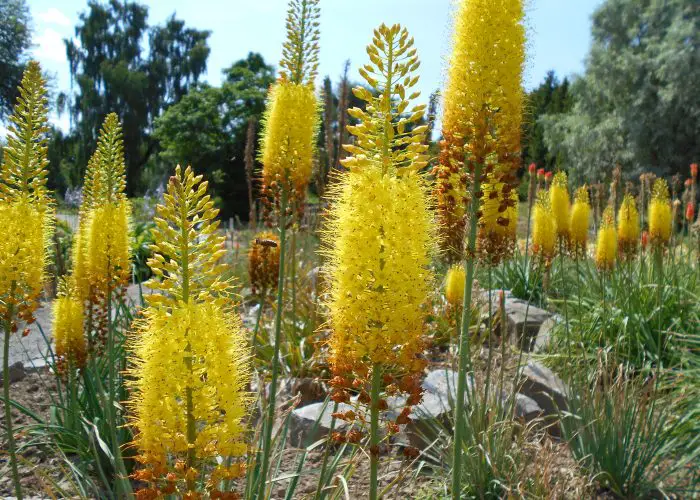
(107, 248)
(628, 229)
(454, 285)
(559, 201)
(68, 331)
(660, 215)
(544, 236)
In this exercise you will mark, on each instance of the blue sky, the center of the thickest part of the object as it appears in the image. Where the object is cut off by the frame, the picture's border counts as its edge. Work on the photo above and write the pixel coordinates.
(558, 33)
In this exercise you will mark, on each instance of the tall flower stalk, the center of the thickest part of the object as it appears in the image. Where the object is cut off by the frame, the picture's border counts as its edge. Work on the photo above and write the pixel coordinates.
(27, 221)
(288, 145)
(190, 363)
(378, 243)
(481, 130)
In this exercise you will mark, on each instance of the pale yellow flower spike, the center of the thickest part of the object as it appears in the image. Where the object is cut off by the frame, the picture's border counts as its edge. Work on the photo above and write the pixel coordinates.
(544, 235)
(454, 285)
(560, 204)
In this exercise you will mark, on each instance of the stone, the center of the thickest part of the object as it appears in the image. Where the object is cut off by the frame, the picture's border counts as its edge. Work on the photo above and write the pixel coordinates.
(545, 387)
(544, 335)
(310, 423)
(16, 372)
(525, 407)
(524, 322)
(308, 390)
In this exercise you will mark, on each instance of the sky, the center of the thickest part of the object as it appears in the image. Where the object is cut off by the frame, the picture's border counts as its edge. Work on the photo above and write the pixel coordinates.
(558, 34)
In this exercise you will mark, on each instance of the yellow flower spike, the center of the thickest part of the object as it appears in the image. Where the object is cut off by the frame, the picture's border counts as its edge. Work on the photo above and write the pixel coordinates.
(544, 235)
(68, 319)
(189, 346)
(107, 247)
(379, 235)
(659, 214)
(485, 31)
(498, 222)
(560, 204)
(579, 222)
(263, 262)
(292, 115)
(606, 245)
(110, 155)
(454, 285)
(628, 229)
(26, 212)
(24, 171)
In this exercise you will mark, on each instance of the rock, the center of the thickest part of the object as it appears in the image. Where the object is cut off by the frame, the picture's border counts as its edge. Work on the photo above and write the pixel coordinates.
(16, 372)
(546, 388)
(544, 334)
(524, 322)
(310, 423)
(309, 391)
(525, 407)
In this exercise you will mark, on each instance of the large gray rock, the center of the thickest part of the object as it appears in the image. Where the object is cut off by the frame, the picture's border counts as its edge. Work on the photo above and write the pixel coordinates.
(546, 388)
(306, 390)
(524, 322)
(544, 335)
(526, 408)
(310, 423)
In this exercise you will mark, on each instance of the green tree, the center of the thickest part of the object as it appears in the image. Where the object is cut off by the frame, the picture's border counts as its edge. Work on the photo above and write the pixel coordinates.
(637, 104)
(550, 97)
(111, 72)
(207, 129)
(15, 40)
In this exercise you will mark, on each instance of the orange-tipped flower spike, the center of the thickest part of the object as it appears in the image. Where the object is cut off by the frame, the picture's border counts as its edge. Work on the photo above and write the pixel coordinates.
(690, 212)
(263, 262)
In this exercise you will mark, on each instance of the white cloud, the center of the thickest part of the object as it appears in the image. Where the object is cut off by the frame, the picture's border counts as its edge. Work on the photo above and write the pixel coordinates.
(54, 16)
(50, 46)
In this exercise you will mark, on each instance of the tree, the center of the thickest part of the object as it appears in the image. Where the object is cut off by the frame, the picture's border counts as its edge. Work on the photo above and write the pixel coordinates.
(208, 129)
(15, 41)
(637, 104)
(551, 97)
(111, 73)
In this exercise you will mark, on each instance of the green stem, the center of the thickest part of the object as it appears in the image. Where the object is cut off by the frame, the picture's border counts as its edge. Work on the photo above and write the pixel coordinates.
(254, 343)
(464, 336)
(6, 393)
(487, 382)
(293, 251)
(566, 304)
(326, 451)
(267, 438)
(374, 431)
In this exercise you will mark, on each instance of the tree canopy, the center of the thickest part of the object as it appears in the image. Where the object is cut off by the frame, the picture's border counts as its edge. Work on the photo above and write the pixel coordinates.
(111, 71)
(15, 41)
(637, 103)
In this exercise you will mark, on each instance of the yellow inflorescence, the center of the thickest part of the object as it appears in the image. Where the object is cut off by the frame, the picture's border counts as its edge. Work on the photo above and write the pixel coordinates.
(107, 246)
(454, 285)
(483, 102)
(544, 235)
(380, 235)
(606, 245)
(263, 262)
(660, 216)
(289, 134)
(628, 229)
(68, 320)
(190, 361)
(24, 250)
(26, 212)
(498, 221)
(560, 204)
(166, 342)
(579, 222)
